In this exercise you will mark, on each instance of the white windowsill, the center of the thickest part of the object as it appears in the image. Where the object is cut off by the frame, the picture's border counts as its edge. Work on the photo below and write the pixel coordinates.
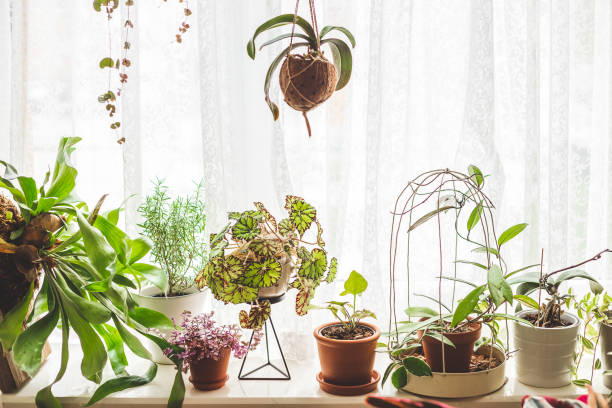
(301, 391)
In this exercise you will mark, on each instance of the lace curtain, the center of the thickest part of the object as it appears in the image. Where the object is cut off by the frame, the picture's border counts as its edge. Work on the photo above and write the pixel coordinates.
(520, 88)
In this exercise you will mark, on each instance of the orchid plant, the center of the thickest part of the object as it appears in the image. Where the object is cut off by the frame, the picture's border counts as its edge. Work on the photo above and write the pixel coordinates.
(200, 338)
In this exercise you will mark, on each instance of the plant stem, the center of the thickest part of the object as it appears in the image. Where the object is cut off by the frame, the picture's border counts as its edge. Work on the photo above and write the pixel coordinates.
(540, 286)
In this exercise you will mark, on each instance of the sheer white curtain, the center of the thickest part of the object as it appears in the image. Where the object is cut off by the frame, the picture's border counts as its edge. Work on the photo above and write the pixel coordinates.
(520, 88)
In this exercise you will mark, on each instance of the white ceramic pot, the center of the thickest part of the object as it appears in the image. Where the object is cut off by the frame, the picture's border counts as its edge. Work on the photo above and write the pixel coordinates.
(282, 283)
(461, 385)
(605, 342)
(195, 302)
(544, 355)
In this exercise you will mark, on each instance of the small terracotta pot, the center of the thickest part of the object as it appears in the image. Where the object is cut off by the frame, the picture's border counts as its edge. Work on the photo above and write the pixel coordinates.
(347, 362)
(210, 374)
(457, 360)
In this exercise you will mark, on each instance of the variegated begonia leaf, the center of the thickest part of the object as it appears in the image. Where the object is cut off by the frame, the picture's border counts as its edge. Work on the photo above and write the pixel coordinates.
(302, 215)
(320, 241)
(285, 227)
(266, 214)
(246, 228)
(256, 316)
(262, 274)
(331, 273)
(314, 266)
(302, 301)
(236, 294)
(266, 248)
(290, 199)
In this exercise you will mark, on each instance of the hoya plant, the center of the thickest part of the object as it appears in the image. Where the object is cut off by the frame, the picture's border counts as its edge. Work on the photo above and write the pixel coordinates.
(254, 252)
(307, 79)
(72, 266)
(457, 201)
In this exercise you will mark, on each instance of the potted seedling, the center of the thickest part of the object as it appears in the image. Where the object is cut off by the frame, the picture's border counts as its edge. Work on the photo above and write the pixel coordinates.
(546, 347)
(256, 259)
(205, 348)
(175, 229)
(440, 352)
(306, 80)
(594, 311)
(347, 346)
(63, 263)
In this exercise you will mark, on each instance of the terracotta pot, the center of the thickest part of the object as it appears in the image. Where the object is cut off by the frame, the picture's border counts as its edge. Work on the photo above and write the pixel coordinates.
(456, 360)
(210, 374)
(347, 362)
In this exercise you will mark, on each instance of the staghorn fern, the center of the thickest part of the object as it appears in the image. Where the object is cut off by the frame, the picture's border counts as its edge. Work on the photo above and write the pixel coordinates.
(248, 253)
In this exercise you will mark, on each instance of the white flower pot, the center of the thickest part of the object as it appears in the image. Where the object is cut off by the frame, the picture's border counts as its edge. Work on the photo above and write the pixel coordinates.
(544, 357)
(461, 385)
(283, 282)
(605, 342)
(173, 307)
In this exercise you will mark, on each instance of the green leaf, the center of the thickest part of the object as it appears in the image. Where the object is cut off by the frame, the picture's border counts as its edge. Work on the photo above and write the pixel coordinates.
(45, 204)
(11, 325)
(474, 217)
(27, 349)
(482, 249)
(494, 281)
(504, 316)
(107, 63)
(98, 251)
(28, 186)
(302, 215)
(122, 383)
(246, 229)
(114, 347)
(91, 311)
(526, 288)
(510, 233)
(581, 383)
(343, 30)
(527, 301)
(115, 237)
(151, 319)
(440, 337)
(131, 341)
(44, 397)
(452, 278)
(416, 366)
(64, 174)
(428, 216)
(313, 264)
(507, 292)
(94, 353)
(270, 73)
(177, 394)
(418, 311)
(343, 60)
(282, 37)
(575, 273)
(153, 274)
(476, 174)
(331, 272)
(279, 21)
(387, 373)
(355, 284)
(262, 274)
(399, 378)
(467, 305)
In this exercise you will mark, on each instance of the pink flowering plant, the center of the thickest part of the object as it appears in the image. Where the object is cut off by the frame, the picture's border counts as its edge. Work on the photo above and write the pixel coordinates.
(200, 338)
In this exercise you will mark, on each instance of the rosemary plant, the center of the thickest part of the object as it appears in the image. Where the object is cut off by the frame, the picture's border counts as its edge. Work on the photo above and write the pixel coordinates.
(176, 229)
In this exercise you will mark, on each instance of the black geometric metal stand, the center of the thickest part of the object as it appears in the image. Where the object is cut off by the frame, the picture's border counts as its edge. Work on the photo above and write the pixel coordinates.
(285, 375)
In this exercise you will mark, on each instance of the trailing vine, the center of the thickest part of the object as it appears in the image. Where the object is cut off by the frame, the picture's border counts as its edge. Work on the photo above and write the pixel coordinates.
(121, 64)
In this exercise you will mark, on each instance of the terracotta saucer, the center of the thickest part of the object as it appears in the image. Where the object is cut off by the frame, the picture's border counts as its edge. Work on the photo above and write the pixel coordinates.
(209, 386)
(349, 389)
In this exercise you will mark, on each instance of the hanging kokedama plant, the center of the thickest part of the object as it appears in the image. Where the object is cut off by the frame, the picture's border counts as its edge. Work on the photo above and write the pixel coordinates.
(306, 80)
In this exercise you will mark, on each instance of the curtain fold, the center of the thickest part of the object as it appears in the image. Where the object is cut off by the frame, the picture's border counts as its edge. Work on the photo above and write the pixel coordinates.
(520, 88)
